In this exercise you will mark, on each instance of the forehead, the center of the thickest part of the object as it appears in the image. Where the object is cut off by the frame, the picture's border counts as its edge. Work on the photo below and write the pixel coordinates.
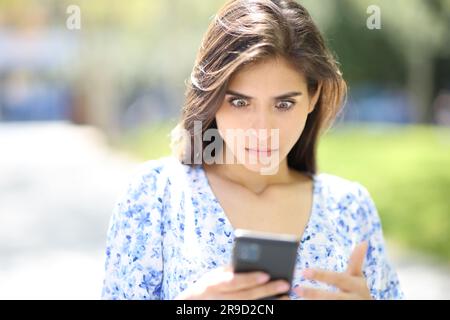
(271, 72)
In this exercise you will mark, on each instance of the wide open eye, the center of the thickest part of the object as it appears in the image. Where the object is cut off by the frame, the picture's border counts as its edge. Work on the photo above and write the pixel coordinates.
(238, 102)
(285, 105)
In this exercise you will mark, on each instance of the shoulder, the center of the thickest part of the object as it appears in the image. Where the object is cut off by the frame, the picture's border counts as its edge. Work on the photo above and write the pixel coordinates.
(163, 166)
(149, 168)
(339, 187)
(141, 199)
(157, 176)
(346, 200)
(152, 171)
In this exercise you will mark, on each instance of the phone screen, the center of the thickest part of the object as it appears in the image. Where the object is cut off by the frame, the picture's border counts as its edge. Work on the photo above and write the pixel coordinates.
(274, 254)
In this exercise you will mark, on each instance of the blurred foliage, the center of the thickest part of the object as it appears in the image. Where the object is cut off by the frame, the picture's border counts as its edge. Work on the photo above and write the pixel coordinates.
(405, 169)
(145, 38)
(143, 43)
(147, 142)
(124, 45)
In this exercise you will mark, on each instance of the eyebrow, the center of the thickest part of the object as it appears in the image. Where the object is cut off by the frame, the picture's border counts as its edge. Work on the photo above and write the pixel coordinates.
(283, 96)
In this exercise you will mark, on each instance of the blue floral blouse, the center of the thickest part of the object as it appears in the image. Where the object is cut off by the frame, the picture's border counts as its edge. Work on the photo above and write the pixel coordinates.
(167, 229)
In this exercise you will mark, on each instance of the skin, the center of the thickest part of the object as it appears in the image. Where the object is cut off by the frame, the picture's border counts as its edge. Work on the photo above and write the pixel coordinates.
(351, 284)
(223, 284)
(262, 111)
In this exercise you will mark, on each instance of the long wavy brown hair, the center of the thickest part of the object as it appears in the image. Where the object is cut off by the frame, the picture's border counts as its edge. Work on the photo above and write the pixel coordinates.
(248, 31)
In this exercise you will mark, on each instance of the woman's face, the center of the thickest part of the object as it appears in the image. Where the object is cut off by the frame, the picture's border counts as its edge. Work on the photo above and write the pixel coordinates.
(269, 95)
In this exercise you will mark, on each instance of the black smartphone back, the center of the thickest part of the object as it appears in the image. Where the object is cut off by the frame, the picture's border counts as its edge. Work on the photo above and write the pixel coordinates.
(274, 254)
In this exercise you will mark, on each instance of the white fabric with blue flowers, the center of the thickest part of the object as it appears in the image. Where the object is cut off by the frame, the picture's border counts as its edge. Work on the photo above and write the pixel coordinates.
(168, 229)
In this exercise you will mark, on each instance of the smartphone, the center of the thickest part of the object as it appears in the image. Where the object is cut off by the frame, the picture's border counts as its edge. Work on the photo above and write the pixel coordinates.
(272, 253)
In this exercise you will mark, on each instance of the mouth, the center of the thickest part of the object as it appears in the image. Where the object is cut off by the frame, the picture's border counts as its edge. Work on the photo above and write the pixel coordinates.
(261, 151)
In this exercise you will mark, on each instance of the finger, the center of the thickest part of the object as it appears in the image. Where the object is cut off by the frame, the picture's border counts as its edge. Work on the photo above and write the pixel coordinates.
(340, 280)
(231, 281)
(285, 297)
(356, 261)
(263, 291)
(317, 294)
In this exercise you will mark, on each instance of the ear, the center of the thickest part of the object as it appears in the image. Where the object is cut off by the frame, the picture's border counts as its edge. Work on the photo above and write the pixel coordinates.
(315, 98)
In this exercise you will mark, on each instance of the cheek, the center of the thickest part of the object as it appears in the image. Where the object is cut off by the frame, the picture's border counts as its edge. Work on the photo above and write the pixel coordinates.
(227, 119)
(291, 128)
(224, 122)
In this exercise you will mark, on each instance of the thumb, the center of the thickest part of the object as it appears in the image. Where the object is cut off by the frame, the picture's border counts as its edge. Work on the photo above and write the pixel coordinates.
(356, 261)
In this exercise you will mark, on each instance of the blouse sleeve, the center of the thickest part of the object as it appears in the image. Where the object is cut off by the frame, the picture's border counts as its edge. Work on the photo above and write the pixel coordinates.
(133, 265)
(381, 277)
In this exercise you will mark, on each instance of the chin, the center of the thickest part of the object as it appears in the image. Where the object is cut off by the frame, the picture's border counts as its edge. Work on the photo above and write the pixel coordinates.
(264, 169)
(268, 165)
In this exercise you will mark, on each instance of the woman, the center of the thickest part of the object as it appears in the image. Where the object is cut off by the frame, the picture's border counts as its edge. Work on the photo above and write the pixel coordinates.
(262, 67)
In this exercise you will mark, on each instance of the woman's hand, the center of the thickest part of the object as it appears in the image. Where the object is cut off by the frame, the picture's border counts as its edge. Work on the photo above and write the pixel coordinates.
(223, 284)
(351, 283)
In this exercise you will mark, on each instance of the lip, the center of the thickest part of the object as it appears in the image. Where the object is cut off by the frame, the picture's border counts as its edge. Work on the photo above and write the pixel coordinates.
(261, 150)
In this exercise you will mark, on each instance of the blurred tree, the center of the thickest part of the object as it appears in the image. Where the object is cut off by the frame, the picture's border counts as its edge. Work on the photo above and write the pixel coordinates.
(135, 43)
(413, 34)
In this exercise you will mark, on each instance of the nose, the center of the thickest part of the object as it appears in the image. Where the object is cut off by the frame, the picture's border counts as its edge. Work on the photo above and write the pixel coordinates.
(261, 119)
(261, 122)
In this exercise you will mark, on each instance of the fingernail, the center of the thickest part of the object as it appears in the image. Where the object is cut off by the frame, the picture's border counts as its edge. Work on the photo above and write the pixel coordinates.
(283, 287)
(264, 277)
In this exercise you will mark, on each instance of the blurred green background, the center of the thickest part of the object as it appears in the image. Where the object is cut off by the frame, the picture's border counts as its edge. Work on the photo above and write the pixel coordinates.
(405, 168)
(73, 101)
(123, 72)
